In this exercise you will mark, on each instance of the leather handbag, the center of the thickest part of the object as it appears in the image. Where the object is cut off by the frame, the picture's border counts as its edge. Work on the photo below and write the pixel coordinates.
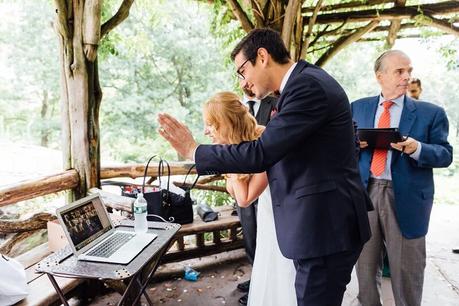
(162, 202)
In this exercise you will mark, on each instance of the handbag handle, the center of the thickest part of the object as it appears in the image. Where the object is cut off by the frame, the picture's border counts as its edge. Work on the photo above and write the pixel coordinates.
(188, 173)
(161, 172)
(145, 173)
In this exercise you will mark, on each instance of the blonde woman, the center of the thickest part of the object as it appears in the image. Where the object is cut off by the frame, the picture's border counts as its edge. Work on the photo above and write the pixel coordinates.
(227, 121)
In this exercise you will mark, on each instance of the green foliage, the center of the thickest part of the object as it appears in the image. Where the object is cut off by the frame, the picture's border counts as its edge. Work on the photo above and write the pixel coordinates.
(162, 64)
(30, 75)
(213, 198)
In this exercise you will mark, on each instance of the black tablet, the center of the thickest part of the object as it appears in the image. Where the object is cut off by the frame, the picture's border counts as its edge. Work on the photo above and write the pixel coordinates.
(380, 138)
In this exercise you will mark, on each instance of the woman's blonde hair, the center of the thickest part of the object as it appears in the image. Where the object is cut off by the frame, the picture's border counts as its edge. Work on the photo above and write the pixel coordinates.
(230, 118)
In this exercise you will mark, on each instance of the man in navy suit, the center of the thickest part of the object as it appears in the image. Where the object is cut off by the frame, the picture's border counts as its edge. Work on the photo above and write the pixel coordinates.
(308, 150)
(399, 181)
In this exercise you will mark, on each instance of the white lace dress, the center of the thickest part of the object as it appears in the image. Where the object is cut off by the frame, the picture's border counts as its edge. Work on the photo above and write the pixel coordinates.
(273, 276)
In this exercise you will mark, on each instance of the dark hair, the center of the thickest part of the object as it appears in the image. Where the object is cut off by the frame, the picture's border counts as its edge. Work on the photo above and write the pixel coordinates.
(262, 38)
(415, 81)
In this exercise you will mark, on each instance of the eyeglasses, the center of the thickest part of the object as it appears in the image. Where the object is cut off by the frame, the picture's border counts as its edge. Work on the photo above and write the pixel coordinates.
(238, 71)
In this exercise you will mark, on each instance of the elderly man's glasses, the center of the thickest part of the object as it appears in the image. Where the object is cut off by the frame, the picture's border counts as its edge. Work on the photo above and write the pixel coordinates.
(238, 71)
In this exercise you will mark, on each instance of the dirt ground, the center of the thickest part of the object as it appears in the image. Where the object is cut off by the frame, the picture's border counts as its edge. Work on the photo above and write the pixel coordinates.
(221, 274)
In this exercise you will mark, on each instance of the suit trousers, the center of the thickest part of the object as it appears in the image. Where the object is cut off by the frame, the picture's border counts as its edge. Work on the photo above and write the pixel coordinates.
(321, 281)
(407, 257)
(248, 218)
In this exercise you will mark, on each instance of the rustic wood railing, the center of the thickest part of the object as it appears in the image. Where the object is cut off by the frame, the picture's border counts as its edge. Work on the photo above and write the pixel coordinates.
(67, 180)
(29, 189)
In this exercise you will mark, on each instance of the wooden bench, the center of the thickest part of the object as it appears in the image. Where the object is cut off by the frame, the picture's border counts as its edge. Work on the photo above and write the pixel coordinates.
(228, 226)
(41, 292)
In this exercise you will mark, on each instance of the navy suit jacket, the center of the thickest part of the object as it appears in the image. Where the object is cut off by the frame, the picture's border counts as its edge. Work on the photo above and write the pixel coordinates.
(264, 112)
(412, 180)
(319, 203)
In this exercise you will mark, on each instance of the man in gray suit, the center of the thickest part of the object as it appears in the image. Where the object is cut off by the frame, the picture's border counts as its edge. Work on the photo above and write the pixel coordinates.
(261, 110)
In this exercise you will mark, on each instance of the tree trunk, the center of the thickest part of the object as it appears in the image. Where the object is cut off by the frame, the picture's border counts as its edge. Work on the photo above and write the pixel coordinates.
(81, 93)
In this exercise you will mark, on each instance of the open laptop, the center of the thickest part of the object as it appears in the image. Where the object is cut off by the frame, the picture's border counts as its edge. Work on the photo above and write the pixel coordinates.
(92, 236)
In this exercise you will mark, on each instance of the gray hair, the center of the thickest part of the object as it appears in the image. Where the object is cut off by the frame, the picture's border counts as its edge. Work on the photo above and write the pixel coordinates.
(379, 63)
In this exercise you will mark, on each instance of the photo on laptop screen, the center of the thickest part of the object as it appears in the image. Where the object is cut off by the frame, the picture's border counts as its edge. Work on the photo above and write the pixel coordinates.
(84, 225)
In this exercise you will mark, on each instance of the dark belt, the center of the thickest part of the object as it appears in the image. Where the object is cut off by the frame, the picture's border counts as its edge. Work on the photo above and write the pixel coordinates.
(382, 182)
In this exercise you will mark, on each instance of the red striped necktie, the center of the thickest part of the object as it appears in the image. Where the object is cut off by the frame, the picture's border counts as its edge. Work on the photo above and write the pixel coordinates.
(378, 163)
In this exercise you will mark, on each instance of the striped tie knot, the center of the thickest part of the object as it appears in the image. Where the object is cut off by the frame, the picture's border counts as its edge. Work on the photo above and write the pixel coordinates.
(387, 104)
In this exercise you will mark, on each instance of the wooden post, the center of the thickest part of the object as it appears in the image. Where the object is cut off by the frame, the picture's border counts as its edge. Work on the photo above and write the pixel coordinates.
(78, 26)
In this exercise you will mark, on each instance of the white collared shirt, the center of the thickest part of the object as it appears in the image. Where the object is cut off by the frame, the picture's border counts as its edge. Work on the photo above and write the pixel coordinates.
(286, 77)
(256, 106)
(395, 114)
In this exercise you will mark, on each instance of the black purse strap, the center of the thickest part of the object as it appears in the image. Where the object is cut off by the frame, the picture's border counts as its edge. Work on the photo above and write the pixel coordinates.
(161, 172)
(188, 173)
(145, 173)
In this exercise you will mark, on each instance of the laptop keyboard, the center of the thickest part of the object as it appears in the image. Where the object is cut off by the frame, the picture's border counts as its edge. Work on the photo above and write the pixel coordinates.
(111, 245)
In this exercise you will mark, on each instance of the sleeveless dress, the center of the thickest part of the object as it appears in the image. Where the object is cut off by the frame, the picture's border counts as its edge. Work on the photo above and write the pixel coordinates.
(273, 276)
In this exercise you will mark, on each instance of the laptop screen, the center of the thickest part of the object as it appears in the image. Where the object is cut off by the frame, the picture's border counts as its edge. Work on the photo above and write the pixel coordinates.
(86, 222)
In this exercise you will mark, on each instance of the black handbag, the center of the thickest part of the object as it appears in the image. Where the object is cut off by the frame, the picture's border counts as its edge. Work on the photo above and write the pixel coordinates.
(165, 203)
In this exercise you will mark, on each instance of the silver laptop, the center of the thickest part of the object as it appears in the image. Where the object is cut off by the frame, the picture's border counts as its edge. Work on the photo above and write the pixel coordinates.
(92, 236)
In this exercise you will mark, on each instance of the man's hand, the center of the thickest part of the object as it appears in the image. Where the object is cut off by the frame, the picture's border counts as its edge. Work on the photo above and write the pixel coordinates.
(178, 135)
(363, 144)
(408, 146)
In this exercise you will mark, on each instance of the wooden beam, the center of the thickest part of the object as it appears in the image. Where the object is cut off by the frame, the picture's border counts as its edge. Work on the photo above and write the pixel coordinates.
(432, 9)
(225, 245)
(445, 26)
(136, 170)
(8, 245)
(37, 221)
(211, 178)
(344, 41)
(347, 5)
(30, 189)
(394, 26)
(201, 187)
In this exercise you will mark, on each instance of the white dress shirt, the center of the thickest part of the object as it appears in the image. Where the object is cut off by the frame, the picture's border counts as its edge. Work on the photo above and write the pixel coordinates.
(286, 77)
(256, 106)
(395, 114)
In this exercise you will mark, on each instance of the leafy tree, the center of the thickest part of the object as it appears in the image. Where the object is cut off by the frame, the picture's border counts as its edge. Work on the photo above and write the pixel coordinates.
(163, 63)
(30, 85)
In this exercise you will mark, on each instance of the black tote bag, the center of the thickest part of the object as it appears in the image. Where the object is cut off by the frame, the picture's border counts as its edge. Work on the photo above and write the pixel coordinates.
(165, 203)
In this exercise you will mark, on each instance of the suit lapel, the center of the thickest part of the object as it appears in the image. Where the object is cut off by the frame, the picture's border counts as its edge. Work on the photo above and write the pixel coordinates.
(408, 116)
(300, 65)
(369, 121)
(406, 123)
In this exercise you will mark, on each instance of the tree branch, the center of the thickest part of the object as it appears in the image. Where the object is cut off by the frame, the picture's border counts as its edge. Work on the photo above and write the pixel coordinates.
(119, 17)
(432, 9)
(258, 13)
(343, 42)
(312, 21)
(394, 26)
(237, 10)
(289, 22)
(346, 5)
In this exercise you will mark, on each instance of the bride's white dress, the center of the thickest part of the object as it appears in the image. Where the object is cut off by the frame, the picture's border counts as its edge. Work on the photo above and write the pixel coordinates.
(273, 276)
